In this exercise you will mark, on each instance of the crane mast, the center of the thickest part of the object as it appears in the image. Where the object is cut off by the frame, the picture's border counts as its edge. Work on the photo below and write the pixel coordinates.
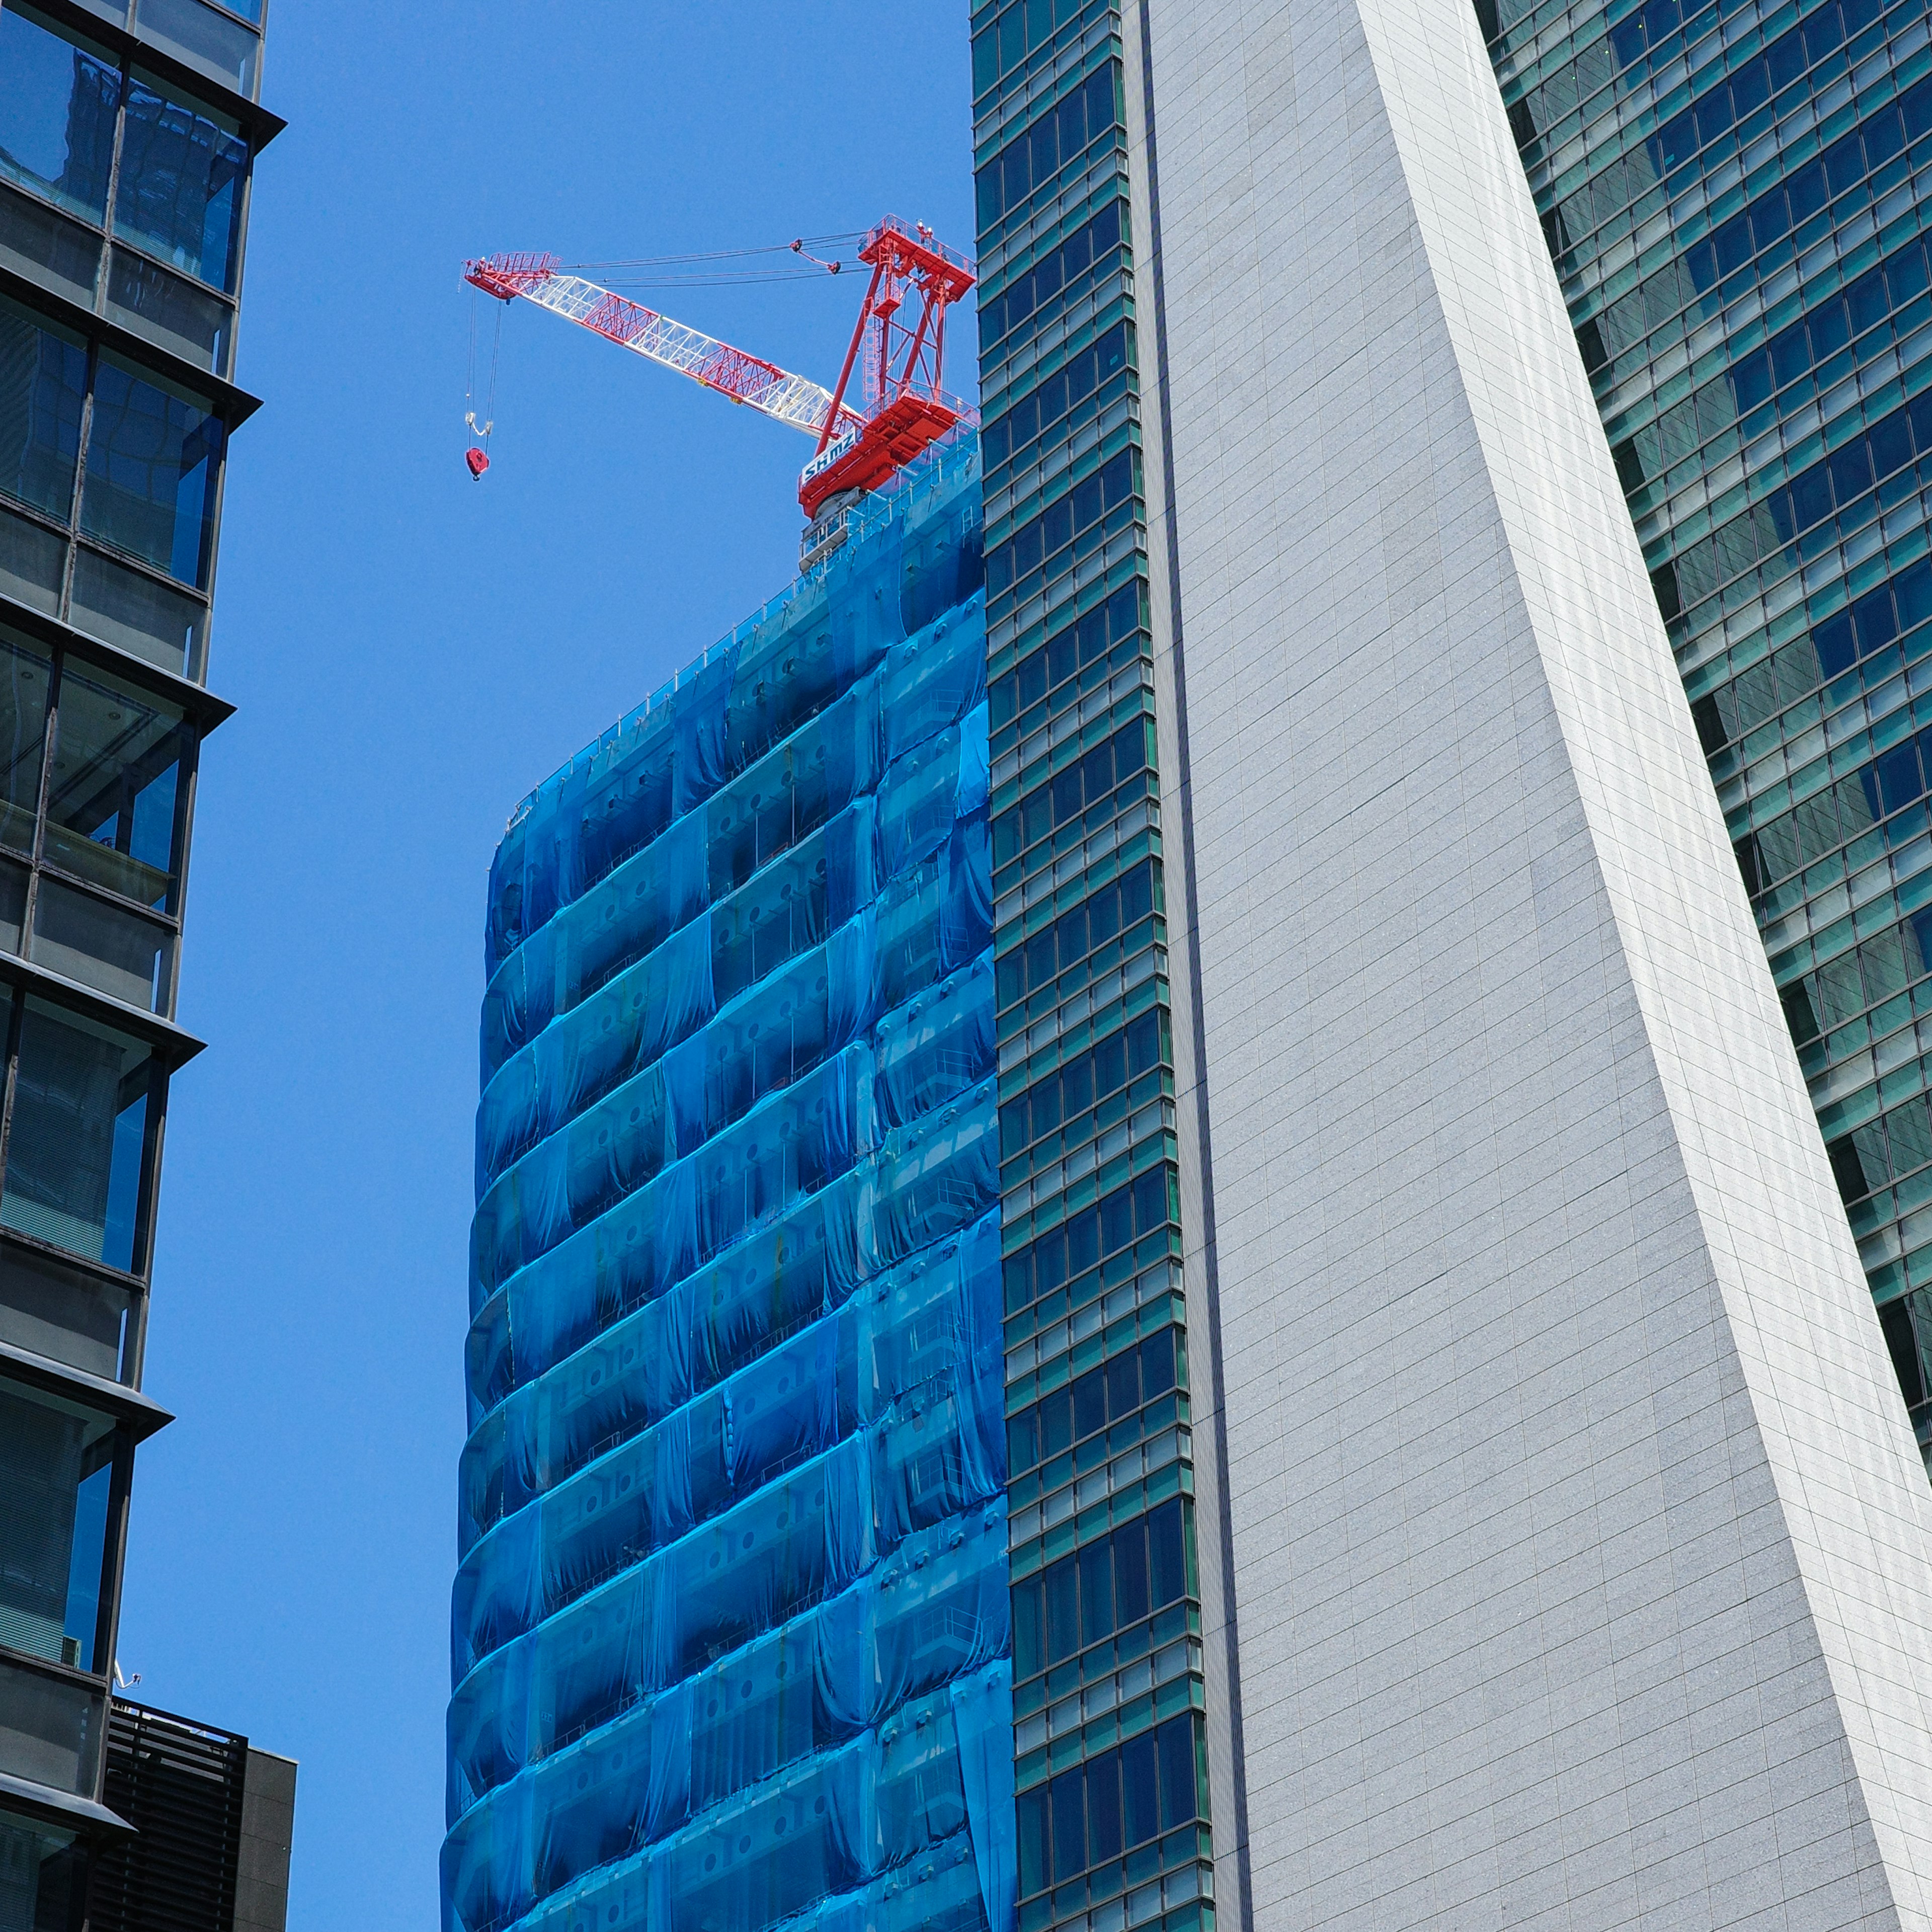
(898, 357)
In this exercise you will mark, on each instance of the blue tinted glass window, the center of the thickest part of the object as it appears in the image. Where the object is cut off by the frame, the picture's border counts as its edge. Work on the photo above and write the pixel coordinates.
(73, 1170)
(53, 1521)
(43, 383)
(179, 193)
(153, 455)
(111, 796)
(56, 113)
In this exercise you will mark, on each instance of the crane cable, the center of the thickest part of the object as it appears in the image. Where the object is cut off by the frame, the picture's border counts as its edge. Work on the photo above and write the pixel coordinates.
(716, 268)
(478, 456)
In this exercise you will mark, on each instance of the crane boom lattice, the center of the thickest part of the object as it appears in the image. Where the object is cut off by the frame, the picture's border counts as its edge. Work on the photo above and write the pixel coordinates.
(793, 399)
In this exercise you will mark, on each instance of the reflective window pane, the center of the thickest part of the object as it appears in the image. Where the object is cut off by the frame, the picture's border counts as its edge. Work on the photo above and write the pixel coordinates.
(117, 953)
(13, 906)
(56, 1466)
(182, 170)
(111, 796)
(56, 112)
(48, 248)
(176, 313)
(135, 612)
(205, 38)
(32, 561)
(65, 1313)
(153, 452)
(26, 675)
(43, 384)
(73, 1164)
(50, 1729)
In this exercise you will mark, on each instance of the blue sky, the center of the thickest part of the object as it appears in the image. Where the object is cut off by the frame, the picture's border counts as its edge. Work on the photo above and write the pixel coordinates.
(411, 653)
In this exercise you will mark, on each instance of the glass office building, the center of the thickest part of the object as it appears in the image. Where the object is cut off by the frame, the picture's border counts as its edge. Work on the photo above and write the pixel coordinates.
(729, 1625)
(1736, 199)
(126, 148)
(1111, 1758)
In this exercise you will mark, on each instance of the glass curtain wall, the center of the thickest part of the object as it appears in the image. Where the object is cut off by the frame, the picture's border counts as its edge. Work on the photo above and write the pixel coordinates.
(1736, 198)
(124, 196)
(128, 132)
(1108, 1694)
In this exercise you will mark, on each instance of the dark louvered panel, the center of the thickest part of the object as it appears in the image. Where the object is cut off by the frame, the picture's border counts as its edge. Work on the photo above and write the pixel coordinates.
(179, 1785)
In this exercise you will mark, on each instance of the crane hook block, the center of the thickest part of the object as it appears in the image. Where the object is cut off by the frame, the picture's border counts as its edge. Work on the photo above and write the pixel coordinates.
(477, 463)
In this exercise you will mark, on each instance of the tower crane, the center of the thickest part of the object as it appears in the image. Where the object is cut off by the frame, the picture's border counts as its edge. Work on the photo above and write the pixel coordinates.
(898, 356)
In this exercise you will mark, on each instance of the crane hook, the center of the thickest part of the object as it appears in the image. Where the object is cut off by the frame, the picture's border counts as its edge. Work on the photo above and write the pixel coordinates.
(477, 460)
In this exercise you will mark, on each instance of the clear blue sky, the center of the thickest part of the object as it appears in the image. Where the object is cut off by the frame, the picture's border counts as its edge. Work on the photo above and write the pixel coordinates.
(411, 653)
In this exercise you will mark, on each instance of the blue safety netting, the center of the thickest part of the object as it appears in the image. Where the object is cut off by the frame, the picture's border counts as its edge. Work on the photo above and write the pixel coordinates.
(729, 1632)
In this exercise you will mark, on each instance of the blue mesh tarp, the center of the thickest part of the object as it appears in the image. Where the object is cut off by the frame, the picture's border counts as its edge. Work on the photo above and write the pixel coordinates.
(729, 1632)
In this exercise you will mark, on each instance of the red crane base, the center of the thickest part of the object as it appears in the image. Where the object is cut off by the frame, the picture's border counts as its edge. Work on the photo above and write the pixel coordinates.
(888, 442)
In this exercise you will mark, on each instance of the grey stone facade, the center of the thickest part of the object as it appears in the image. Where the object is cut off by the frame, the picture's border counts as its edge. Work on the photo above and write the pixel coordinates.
(1581, 1553)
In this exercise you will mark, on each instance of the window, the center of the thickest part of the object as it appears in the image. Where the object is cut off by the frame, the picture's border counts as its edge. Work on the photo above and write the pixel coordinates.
(1056, 526)
(66, 1313)
(146, 618)
(42, 385)
(25, 677)
(1055, 662)
(1081, 1080)
(56, 112)
(111, 799)
(56, 1472)
(72, 1176)
(42, 1875)
(153, 453)
(1028, 293)
(179, 191)
(1036, 413)
(1115, 1389)
(117, 953)
(1108, 1584)
(1802, 194)
(1116, 1800)
(1002, 43)
(1097, 919)
(1086, 1238)
(1086, 782)
(1032, 158)
(174, 312)
(205, 38)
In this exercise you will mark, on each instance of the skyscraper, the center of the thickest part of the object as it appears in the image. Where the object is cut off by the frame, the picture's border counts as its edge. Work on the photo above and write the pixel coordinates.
(1736, 214)
(1563, 1554)
(126, 150)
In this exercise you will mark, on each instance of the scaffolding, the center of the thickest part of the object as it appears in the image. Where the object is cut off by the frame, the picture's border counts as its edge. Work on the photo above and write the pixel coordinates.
(731, 1626)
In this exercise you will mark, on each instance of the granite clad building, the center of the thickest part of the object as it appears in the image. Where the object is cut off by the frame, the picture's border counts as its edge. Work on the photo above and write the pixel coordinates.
(1562, 1551)
(127, 137)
